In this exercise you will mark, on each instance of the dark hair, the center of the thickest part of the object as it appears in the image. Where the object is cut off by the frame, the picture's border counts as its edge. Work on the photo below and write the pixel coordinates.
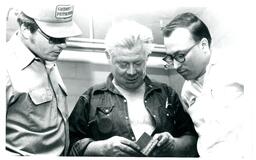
(190, 21)
(27, 22)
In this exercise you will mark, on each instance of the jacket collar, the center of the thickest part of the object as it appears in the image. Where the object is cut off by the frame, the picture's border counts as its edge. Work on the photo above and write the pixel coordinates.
(150, 86)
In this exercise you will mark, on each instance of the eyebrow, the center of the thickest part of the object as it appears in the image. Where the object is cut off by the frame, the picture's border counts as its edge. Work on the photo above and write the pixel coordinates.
(184, 51)
(181, 51)
(178, 52)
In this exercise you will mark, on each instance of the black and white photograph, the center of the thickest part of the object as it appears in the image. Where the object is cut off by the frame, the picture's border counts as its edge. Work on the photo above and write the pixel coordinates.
(112, 78)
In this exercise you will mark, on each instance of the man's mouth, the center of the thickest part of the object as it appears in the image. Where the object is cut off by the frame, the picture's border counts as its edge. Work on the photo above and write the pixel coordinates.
(131, 79)
(57, 52)
(181, 71)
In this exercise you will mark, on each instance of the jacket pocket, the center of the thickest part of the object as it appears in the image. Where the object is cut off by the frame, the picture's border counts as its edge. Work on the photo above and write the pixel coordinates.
(167, 117)
(104, 118)
(105, 110)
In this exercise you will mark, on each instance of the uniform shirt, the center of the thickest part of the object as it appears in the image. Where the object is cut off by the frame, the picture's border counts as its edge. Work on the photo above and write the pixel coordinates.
(36, 118)
(101, 112)
(218, 112)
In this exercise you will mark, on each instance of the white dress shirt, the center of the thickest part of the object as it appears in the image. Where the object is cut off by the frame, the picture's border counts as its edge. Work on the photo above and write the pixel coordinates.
(218, 110)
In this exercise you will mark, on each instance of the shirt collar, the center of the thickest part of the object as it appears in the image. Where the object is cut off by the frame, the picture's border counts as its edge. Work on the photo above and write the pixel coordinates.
(49, 64)
(213, 61)
(24, 55)
(199, 81)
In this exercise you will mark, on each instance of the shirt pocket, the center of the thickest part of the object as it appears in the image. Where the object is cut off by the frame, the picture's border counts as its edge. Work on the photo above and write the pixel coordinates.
(168, 120)
(42, 112)
(42, 95)
(167, 113)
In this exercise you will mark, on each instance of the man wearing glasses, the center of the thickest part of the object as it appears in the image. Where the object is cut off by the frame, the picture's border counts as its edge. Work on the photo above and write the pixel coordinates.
(213, 91)
(37, 111)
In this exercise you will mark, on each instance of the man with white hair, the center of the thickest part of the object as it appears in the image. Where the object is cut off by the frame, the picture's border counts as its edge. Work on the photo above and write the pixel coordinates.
(109, 118)
(37, 111)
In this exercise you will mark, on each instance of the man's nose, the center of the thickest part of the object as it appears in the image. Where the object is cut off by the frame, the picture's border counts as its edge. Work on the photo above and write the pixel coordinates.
(131, 70)
(176, 64)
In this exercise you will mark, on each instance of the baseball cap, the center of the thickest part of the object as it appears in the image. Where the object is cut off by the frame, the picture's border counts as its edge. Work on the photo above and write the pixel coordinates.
(55, 18)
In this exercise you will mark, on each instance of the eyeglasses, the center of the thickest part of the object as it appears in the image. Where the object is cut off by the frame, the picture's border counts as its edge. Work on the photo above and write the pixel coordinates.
(178, 56)
(52, 40)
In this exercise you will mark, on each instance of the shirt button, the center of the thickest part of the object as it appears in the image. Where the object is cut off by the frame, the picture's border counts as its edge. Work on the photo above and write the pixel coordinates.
(133, 138)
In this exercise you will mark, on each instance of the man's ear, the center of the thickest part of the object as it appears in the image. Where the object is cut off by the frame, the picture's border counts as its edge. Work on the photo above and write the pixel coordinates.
(25, 32)
(204, 45)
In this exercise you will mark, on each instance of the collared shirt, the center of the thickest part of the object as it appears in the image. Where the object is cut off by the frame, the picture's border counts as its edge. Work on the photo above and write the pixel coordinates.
(37, 113)
(101, 112)
(219, 113)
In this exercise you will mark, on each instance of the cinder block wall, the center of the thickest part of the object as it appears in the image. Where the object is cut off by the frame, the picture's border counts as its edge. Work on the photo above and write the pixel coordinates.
(79, 76)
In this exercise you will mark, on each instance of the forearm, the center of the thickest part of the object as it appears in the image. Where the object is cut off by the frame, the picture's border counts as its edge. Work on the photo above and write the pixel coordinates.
(94, 148)
(185, 146)
(79, 147)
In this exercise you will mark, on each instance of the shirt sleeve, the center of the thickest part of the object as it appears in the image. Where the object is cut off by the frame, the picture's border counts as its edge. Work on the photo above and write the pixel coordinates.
(78, 121)
(10, 96)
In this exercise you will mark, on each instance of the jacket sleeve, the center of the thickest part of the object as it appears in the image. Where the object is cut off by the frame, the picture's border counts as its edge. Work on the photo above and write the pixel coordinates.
(78, 130)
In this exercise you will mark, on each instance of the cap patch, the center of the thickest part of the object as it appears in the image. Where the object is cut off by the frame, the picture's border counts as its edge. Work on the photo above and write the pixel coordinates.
(64, 11)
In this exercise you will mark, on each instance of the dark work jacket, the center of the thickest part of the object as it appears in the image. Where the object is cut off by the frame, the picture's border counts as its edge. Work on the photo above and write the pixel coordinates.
(101, 112)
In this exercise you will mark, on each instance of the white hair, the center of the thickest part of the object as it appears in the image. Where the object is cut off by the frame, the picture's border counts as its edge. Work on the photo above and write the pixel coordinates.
(129, 34)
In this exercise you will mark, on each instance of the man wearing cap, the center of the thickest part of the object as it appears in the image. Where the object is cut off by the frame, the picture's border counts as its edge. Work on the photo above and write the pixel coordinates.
(37, 112)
